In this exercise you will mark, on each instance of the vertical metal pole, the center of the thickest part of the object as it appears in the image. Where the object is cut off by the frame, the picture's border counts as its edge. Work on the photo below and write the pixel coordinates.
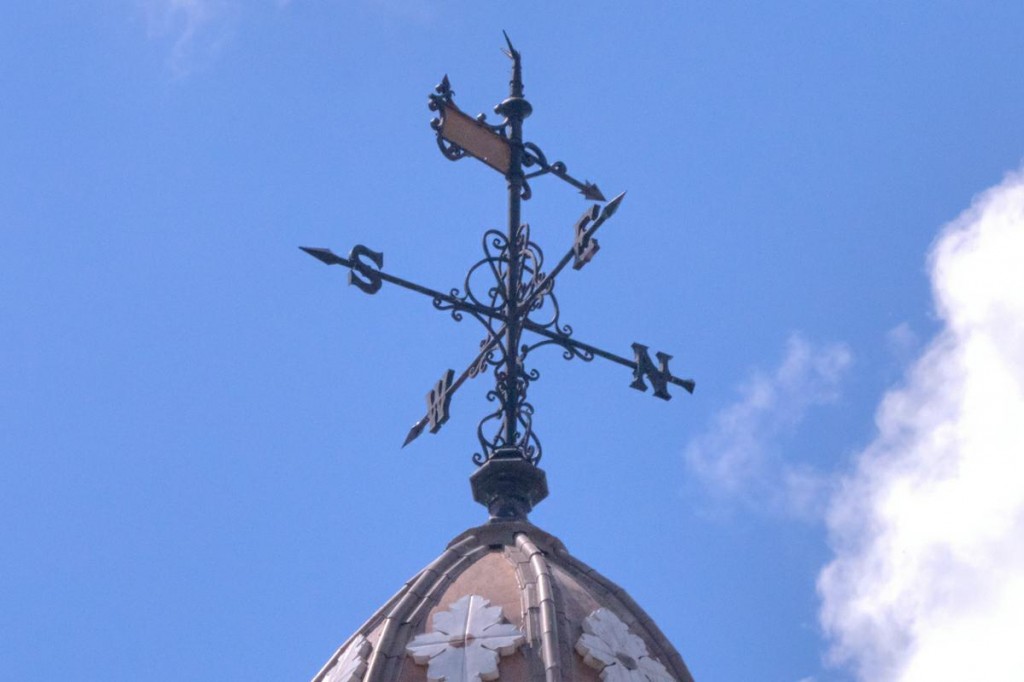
(515, 109)
(515, 188)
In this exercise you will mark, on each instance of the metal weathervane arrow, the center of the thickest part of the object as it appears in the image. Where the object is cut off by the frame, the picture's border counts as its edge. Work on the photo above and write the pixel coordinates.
(519, 311)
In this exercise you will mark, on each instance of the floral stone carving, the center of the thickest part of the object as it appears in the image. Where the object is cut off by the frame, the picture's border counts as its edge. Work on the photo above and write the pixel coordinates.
(607, 645)
(351, 665)
(466, 642)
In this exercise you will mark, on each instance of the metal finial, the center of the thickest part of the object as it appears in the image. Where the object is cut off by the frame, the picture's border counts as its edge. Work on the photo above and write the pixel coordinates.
(511, 52)
(516, 84)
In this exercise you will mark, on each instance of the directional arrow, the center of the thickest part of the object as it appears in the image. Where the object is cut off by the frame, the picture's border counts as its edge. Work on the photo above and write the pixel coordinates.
(468, 373)
(326, 256)
(607, 212)
(588, 189)
(644, 368)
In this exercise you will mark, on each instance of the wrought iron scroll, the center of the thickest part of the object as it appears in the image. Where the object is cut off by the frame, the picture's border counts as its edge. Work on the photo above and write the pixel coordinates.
(439, 102)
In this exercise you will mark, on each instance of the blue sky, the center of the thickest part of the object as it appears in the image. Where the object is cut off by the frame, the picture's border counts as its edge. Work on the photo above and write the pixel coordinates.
(201, 425)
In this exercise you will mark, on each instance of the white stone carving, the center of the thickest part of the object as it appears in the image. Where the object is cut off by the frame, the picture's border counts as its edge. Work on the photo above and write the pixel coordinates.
(607, 645)
(351, 665)
(465, 642)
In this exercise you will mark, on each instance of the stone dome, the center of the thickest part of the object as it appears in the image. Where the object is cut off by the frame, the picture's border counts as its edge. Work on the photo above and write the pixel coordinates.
(507, 601)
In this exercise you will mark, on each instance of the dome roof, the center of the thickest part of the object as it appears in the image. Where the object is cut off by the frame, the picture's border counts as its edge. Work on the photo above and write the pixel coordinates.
(507, 601)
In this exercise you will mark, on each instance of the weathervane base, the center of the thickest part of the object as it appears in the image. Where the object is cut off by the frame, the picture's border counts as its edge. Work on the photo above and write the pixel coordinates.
(509, 485)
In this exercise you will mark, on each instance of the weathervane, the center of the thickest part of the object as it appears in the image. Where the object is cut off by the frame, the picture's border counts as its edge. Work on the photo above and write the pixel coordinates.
(519, 299)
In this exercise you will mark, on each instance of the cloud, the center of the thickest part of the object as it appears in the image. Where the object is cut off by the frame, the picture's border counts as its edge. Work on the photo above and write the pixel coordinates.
(195, 28)
(740, 454)
(199, 29)
(927, 581)
(902, 342)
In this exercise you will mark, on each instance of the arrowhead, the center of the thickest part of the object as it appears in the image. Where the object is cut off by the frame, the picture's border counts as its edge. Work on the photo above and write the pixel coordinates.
(415, 431)
(591, 192)
(612, 206)
(323, 255)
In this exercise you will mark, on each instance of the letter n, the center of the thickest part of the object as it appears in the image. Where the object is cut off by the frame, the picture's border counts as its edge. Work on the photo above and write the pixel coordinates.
(658, 376)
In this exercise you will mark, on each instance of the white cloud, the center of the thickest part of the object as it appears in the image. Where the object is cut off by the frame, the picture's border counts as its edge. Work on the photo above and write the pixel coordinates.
(199, 29)
(902, 342)
(740, 456)
(195, 26)
(927, 582)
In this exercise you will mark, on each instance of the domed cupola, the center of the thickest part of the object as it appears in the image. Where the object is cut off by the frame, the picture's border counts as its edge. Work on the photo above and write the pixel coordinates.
(506, 600)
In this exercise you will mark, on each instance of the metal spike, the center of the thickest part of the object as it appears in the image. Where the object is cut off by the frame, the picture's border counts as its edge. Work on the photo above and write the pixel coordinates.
(324, 255)
(612, 206)
(415, 431)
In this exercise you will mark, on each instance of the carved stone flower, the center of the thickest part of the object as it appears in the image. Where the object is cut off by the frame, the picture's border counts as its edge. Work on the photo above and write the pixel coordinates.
(466, 642)
(351, 665)
(607, 645)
